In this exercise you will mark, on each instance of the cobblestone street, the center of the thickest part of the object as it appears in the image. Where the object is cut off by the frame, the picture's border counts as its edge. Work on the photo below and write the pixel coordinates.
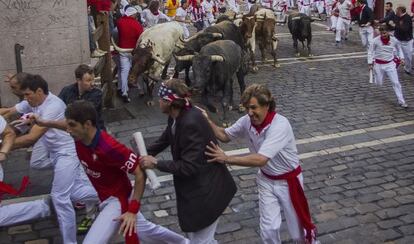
(356, 147)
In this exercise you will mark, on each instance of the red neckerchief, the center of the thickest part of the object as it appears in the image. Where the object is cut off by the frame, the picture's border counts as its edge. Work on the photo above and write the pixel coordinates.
(174, 2)
(5, 188)
(266, 121)
(155, 13)
(385, 41)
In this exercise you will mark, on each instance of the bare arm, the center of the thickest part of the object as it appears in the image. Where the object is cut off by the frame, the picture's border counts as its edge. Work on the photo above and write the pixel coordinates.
(57, 124)
(8, 112)
(31, 138)
(250, 160)
(8, 139)
(139, 185)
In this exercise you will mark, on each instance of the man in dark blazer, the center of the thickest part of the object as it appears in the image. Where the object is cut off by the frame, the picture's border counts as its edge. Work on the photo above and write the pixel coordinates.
(365, 21)
(203, 189)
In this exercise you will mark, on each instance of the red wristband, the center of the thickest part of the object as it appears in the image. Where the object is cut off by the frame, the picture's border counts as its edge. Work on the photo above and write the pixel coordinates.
(134, 206)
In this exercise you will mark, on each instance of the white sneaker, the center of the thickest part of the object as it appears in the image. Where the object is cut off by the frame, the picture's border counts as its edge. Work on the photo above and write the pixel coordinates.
(404, 105)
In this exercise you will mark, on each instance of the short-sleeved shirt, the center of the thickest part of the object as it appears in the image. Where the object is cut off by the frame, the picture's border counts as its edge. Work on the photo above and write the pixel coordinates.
(276, 142)
(106, 163)
(70, 93)
(3, 124)
(52, 108)
(171, 6)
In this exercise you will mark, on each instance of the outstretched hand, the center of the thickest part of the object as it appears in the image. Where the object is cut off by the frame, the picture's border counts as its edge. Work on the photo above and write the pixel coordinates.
(203, 111)
(216, 153)
(129, 224)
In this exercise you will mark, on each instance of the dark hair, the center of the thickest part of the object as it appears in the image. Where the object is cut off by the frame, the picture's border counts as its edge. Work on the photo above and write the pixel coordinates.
(154, 5)
(81, 111)
(402, 9)
(362, 2)
(34, 82)
(261, 93)
(19, 77)
(181, 89)
(383, 28)
(389, 3)
(81, 70)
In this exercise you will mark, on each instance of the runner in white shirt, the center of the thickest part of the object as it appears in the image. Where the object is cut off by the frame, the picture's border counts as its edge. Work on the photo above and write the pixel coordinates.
(54, 148)
(181, 16)
(273, 149)
(343, 21)
(304, 6)
(382, 55)
(16, 212)
(152, 15)
(208, 6)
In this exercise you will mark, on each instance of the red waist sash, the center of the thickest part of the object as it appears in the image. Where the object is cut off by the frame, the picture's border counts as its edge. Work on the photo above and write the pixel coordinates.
(8, 189)
(299, 201)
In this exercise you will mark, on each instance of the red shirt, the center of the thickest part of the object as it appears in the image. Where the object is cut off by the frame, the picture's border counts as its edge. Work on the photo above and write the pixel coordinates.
(100, 5)
(107, 162)
(129, 30)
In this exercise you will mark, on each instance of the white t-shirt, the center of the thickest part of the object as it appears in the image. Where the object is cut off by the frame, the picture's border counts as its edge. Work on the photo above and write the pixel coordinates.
(3, 124)
(52, 108)
(208, 8)
(345, 9)
(276, 142)
(149, 19)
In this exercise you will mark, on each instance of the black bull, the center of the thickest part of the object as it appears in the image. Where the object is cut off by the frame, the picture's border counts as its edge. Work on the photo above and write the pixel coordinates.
(214, 68)
(224, 30)
(300, 27)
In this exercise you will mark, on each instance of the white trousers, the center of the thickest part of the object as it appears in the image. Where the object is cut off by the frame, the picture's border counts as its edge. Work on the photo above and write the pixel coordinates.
(407, 48)
(334, 20)
(274, 196)
(391, 71)
(342, 28)
(19, 212)
(367, 35)
(204, 236)
(125, 63)
(69, 184)
(104, 227)
(305, 10)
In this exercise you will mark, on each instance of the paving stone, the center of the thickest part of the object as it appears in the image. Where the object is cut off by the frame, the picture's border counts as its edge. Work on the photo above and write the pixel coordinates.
(369, 198)
(389, 213)
(339, 167)
(325, 216)
(405, 199)
(405, 240)
(227, 227)
(19, 229)
(388, 203)
(49, 232)
(39, 241)
(367, 218)
(387, 224)
(161, 213)
(25, 237)
(329, 206)
(409, 218)
(407, 229)
(247, 183)
(387, 235)
(367, 208)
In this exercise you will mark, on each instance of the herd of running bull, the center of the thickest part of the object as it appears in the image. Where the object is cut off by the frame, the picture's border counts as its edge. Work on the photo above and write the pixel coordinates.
(216, 54)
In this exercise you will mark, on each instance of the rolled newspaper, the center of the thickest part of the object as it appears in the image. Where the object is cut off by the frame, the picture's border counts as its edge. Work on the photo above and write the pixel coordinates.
(371, 77)
(142, 150)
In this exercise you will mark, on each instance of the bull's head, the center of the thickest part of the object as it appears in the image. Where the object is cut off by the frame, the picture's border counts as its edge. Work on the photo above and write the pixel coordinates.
(202, 69)
(247, 26)
(305, 26)
(142, 60)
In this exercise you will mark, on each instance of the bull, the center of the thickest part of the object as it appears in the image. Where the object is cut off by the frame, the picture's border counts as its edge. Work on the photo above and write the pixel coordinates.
(299, 25)
(225, 30)
(153, 53)
(214, 68)
(265, 34)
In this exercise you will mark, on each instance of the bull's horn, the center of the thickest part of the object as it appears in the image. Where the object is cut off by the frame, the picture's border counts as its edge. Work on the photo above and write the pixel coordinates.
(158, 59)
(179, 45)
(296, 18)
(217, 58)
(189, 39)
(121, 50)
(217, 35)
(260, 17)
(184, 57)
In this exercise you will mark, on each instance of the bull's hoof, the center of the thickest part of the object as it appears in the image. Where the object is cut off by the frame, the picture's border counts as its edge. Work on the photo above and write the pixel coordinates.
(150, 103)
(310, 55)
(242, 109)
(255, 68)
(230, 108)
(277, 65)
(297, 54)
